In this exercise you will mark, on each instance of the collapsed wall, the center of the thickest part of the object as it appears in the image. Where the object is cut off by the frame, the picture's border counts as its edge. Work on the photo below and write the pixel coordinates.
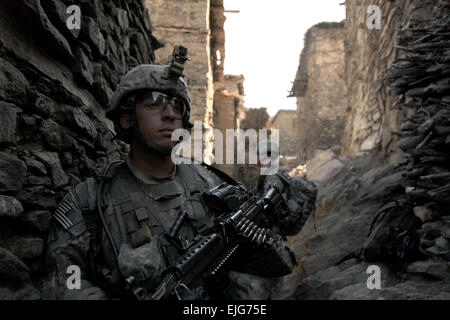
(55, 84)
(319, 87)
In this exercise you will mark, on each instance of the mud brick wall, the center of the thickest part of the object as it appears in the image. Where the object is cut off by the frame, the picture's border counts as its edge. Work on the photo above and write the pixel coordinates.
(54, 87)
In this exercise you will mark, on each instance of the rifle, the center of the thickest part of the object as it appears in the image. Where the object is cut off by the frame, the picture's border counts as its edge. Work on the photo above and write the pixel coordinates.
(214, 247)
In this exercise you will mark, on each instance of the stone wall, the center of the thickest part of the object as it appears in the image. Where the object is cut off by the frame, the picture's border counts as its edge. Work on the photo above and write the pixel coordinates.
(320, 89)
(367, 115)
(286, 122)
(373, 116)
(54, 87)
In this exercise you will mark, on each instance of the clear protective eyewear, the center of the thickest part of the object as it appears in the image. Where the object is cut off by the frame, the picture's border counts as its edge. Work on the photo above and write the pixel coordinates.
(160, 101)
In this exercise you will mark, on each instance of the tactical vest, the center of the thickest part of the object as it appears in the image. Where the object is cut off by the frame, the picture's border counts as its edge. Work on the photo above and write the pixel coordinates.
(136, 213)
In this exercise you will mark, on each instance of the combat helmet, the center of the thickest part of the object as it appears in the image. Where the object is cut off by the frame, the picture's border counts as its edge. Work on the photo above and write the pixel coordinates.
(168, 79)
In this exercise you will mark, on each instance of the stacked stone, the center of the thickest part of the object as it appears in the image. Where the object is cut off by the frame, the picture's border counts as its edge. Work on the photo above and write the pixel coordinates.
(54, 133)
(421, 79)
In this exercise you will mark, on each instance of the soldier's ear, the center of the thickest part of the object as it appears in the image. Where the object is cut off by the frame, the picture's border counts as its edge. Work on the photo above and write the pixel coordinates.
(125, 121)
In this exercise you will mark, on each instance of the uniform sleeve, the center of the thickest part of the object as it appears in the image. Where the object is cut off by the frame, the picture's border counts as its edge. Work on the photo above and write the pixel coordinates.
(66, 258)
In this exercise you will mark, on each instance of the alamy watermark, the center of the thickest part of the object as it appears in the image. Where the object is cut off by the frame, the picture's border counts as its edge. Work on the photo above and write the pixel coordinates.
(267, 155)
(73, 22)
(374, 280)
(74, 280)
(373, 17)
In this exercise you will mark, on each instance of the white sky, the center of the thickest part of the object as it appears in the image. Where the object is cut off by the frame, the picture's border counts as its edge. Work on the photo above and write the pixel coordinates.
(264, 40)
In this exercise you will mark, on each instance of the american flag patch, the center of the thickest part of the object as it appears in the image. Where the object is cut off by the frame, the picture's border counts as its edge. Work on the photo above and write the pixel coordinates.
(67, 216)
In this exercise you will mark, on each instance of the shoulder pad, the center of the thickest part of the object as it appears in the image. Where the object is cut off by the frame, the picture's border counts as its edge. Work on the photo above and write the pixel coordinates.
(86, 192)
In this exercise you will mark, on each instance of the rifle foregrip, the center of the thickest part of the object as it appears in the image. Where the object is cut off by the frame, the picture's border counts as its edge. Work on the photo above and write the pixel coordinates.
(200, 255)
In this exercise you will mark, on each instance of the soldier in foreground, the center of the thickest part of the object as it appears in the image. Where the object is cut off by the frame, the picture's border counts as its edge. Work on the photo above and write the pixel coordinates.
(127, 227)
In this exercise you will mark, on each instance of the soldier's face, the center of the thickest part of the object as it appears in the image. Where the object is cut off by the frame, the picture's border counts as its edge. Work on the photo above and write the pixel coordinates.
(157, 125)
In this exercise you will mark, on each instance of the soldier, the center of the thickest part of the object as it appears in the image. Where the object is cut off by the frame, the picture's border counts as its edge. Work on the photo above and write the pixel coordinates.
(112, 226)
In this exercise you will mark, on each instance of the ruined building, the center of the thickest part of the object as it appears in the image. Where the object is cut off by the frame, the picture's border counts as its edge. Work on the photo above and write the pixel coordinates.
(320, 89)
(341, 96)
(286, 122)
(256, 118)
(228, 113)
(384, 201)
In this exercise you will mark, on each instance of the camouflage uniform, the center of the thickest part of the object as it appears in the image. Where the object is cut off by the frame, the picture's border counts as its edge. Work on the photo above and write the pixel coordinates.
(133, 200)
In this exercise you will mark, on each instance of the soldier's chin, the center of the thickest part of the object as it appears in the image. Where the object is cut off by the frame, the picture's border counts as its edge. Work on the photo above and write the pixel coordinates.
(161, 148)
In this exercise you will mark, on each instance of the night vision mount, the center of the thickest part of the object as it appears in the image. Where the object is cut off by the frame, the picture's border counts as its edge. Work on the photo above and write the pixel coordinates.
(176, 61)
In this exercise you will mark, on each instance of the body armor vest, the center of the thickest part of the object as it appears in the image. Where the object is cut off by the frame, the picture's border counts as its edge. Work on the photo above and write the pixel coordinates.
(138, 215)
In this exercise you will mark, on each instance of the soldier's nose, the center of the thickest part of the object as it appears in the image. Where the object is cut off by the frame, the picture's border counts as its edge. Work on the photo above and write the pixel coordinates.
(168, 112)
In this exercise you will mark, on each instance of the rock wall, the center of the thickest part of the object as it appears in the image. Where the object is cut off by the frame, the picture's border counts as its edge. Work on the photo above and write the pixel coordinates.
(54, 87)
(420, 80)
(320, 89)
(373, 114)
